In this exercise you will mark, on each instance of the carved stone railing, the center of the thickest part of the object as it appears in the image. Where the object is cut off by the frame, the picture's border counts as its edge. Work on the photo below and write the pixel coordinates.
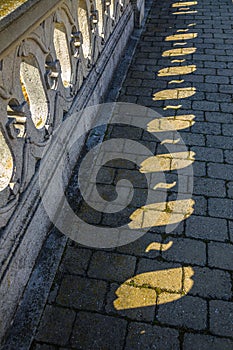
(56, 57)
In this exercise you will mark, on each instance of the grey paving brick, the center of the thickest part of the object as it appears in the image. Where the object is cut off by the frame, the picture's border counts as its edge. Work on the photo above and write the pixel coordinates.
(206, 228)
(51, 328)
(226, 88)
(75, 260)
(206, 342)
(132, 82)
(96, 331)
(186, 250)
(139, 91)
(211, 283)
(146, 337)
(111, 266)
(82, 293)
(206, 106)
(200, 205)
(228, 156)
(221, 320)
(199, 168)
(220, 171)
(231, 230)
(43, 347)
(220, 255)
(221, 208)
(226, 107)
(209, 187)
(193, 139)
(206, 128)
(191, 312)
(218, 117)
(217, 79)
(227, 129)
(208, 154)
(223, 142)
(220, 97)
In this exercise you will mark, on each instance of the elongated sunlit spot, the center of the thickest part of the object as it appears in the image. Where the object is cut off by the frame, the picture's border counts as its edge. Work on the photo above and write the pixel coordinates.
(184, 12)
(180, 70)
(182, 30)
(173, 94)
(180, 44)
(176, 81)
(161, 214)
(164, 185)
(167, 162)
(178, 61)
(179, 52)
(171, 123)
(172, 107)
(185, 3)
(159, 246)
(174, 142)
(181, 37)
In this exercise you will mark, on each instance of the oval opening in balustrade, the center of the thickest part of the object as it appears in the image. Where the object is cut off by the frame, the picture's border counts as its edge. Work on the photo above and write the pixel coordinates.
(62, 52)
(33, 90)
(99, 7)
(112, 9)
(6, 164)
(84, 26)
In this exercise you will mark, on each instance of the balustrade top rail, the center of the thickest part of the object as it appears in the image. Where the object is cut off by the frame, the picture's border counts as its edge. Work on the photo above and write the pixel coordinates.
(17, 21)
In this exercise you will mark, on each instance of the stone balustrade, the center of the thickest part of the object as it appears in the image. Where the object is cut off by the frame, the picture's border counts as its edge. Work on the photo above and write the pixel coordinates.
(56, 57)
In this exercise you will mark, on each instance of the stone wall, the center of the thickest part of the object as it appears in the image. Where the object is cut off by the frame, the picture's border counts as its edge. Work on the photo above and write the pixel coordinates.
(56, 57)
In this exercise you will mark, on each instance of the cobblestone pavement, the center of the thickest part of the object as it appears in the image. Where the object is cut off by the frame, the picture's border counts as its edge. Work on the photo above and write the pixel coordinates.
(182, 66)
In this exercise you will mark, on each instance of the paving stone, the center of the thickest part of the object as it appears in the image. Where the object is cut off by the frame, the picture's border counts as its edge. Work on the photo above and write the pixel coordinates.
(82, 293)
(186, 251)
(146, 337)
(220, 255)
(200, 205)
(75, 260)
(221, 318)
(220, 208)
(190, 312)
(228, 156)
(230, 223)
(208, 154)
(51, 328)
(111, 266)
(206, 128)
(227, 129)
(96, 331)
(209, 187)
(206, 106)
(220, 171)
(199, 168)
(43, 347)
(223, 142)
(193, 139)
(203, 227)
(206, 342)
(219, 117)
(211, 283)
